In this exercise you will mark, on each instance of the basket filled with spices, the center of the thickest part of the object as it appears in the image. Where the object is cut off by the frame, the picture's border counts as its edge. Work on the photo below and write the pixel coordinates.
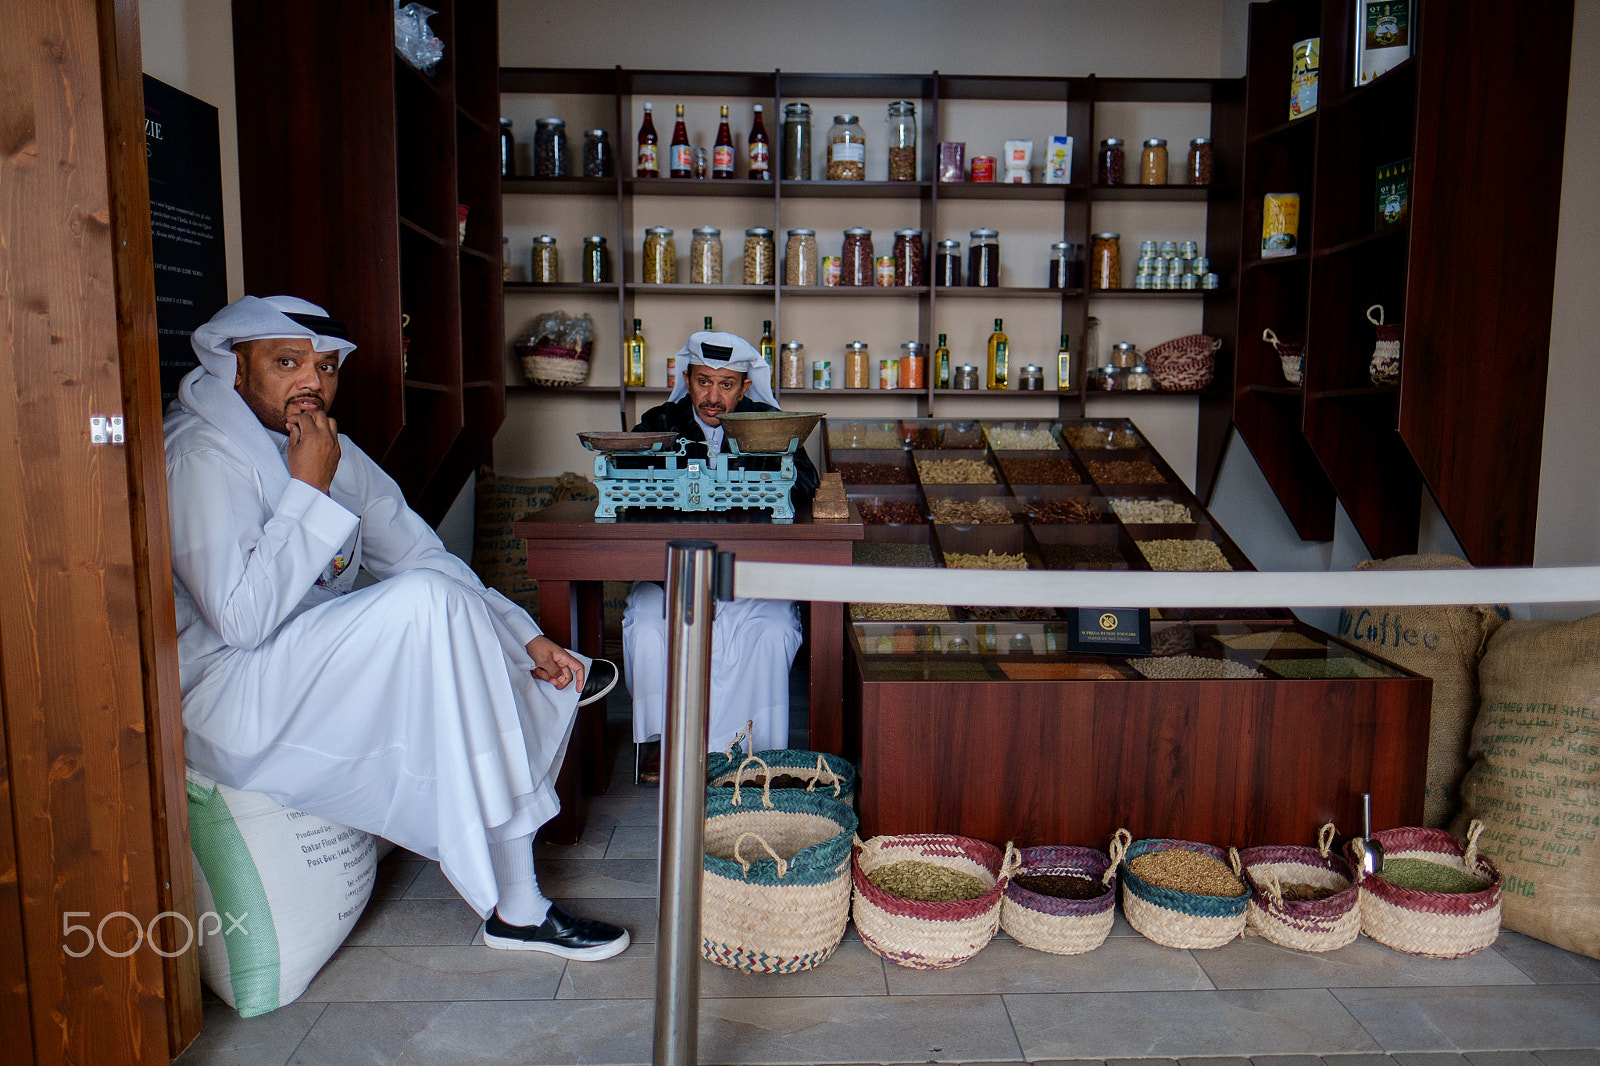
(1183, 894)
(775, 897)
(1063, 899)
(1303, 898)
(782, 768)
(1425, 893)
(929, 901)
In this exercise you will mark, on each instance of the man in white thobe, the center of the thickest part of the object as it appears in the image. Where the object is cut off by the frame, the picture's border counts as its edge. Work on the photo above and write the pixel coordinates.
(753, 642)
(426, 708)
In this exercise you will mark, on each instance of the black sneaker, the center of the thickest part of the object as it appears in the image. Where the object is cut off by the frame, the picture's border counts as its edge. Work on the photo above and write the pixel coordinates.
(579, 939)
(602, 678)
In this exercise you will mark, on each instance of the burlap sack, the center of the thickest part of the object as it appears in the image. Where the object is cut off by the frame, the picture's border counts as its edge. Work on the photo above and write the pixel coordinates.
(1535, 778)
(1444, 643)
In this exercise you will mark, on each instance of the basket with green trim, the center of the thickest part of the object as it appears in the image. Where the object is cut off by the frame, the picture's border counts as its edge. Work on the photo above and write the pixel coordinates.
(813, 771)
(776, 893)
(1169, 907)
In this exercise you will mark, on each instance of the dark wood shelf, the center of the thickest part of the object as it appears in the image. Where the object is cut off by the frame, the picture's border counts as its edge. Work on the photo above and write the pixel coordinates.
(427, 386)
(1150, 294)
(587, 390)
(1395, 232)
(475, 254)
(1279, 260)
(1003, 292)
(997, 190)
(1370, 392)
(1305, 122)
(639, 288)
(698, 187)
(423, 232)
(855, 290)
(996, 394)
(525, 186)
(603, 288)
(862, 190)
(1159, 193)
(1295, 391)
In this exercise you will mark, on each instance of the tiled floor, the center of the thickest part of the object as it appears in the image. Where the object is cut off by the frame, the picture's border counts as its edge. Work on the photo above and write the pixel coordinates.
(414, 985)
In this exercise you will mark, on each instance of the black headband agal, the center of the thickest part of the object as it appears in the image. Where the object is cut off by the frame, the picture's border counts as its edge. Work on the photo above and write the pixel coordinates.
(720, 352)
(321, 324)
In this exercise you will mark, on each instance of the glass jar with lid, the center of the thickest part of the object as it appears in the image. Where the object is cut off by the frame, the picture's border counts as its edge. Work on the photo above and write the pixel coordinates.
(1112, 162)
(855, 261)
(660, 266)
(546, 266)
(857, 360)
(1105, 261)
(983, 259)
(1137, 378)
(596, 154)
(792, 366)
(947, 263)
(1153, 162)
(1201, 162)
(760, 255)
(797, 142)
(549, 148)
(908, 257)
(913, 365)
(847, 149)
(596, 260)
(800, 258)
(705, 256)
(1031, 379)
(902, 141)
(1065, 270)
(1124, 354)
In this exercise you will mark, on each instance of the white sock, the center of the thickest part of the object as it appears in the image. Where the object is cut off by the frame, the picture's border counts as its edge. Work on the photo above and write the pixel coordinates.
(521, 902)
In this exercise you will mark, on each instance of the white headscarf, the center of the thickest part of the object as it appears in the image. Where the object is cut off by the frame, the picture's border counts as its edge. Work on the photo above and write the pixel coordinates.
(208, 389)
(725, 351)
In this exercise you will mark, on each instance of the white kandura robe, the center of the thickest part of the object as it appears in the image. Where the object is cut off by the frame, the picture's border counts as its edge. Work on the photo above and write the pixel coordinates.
(407, 709)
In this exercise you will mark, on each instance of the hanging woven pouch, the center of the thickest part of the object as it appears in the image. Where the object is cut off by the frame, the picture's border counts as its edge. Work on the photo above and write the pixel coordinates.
(1439, 925)
(1385, 367)
(1177, 918)
(930, 936)
(1064, 926)
(1291, 356)
(1303, 924)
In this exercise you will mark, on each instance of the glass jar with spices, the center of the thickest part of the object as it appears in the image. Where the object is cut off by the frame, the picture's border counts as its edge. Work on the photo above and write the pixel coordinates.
(983, 259)
(546, 265)
(855, 260)
(660, 265)
(705, 256)
(847, 149)
(596, 260)
(800, 258)
(796, 142)
(1201, 161)
(508, 150)
(1032, 379)
(596, 154)
(1105, 261)
(1124, 354)
(760, 255)
(913, 365)
(792, 366)
(947, 263)
(908, 257)
(1153, 162)
(549, 148)
(857, 359)
(1065, 270)
(902, 141)
(1137, 379)
(1112, 162)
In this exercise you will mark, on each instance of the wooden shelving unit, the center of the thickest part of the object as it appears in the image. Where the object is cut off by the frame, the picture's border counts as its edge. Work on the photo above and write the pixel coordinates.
(1469, 272)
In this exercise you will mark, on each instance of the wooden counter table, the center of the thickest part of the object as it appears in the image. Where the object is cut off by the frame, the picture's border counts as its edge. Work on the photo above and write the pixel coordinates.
(570, 554)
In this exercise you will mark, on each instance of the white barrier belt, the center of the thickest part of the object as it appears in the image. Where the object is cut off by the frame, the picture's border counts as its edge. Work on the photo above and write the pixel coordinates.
(1076, 588)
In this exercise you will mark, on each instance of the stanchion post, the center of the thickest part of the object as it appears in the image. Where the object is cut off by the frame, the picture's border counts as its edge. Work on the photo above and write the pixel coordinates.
(683, 800)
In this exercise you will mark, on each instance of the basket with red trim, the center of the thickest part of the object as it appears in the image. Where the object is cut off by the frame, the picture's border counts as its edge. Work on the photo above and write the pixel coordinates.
(929, 936)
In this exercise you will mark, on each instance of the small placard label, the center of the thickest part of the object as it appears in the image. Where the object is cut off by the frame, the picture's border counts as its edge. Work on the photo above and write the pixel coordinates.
(1110, 630)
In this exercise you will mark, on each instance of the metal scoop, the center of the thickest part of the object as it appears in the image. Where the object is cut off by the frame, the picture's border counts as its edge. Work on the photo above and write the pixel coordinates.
(1372, 854)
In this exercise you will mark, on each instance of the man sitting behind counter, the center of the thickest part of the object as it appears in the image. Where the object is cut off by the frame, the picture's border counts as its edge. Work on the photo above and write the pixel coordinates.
(753, 642)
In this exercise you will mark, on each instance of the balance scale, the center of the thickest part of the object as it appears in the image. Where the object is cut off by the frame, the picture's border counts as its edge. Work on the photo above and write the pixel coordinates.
(676, 482)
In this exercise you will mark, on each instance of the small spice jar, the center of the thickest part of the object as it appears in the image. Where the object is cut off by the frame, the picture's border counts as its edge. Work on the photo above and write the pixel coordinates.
(847, 149)
(1136, 378)
(947, 263)
(1065, 271)
(983, 259)
(660, 257)
(857, 360)
(546, 265)
(913, 365)
(792, 365)
(1153, 162)
(908, 257)
(800, 258)
(549, 148)
(760, 255)
(1199, 167)
(966, 376)
(1112, 161)
(797, 142)
(855, 259)
(596, 260)
(902, 141)
(597, 155)
(1124, 354)
(1105, 261)
(705, 256)
(1032, 379)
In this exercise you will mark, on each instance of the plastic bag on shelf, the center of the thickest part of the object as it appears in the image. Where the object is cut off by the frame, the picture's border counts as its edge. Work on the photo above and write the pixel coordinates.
(413, 38)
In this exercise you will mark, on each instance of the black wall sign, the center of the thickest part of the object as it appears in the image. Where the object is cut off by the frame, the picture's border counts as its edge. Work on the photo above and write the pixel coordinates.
(184, 153)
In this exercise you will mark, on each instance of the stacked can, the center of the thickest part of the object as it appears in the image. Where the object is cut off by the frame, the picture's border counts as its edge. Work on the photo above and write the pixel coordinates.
(1173, 266)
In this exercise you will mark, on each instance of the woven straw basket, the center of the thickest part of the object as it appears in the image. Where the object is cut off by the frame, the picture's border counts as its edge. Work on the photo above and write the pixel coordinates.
(1439, 925)
(553, 365)
(831, 775)
(1064, 926)
(776, 893)
(1305, 925)
(1184, 364)
(930, 936)
(1291, 356)
(1181, 919)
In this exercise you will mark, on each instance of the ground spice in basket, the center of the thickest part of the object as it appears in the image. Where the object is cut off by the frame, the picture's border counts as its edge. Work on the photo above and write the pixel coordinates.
(1061, 886)
(873, 473)
(1124, 472)
(927, 883)
(1298, 892)
(1424, 876)
(1040, 472)
(1183, 870)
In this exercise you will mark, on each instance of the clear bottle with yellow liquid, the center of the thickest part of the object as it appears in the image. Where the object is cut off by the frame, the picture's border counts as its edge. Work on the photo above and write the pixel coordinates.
(999, 356)
(1064, 366)
(941, 363)
(634, 352)
(768, 349)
